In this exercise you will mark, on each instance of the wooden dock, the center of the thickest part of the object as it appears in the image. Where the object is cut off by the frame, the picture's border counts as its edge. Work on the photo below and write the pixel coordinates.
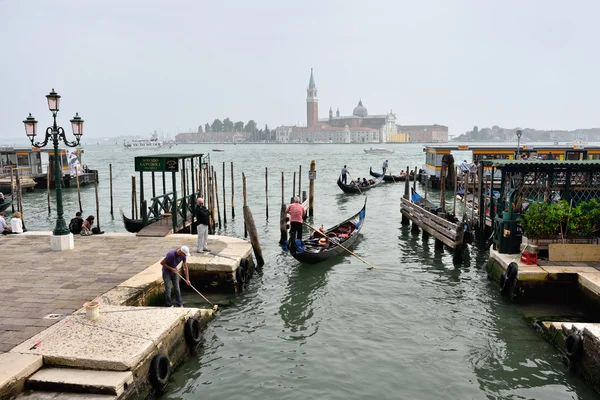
(162, 228)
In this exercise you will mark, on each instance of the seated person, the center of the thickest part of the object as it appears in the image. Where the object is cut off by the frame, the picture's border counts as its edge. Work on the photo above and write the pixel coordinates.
(86, 227)
(4, 228)
(1, 197)
(365, 182)
(16, 223)
(76, 223)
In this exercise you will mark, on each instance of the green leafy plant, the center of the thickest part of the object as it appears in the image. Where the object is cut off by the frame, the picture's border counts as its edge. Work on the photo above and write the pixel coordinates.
(548, 220)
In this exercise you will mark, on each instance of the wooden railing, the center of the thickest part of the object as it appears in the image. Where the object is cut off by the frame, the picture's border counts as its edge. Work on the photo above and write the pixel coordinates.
(448, 232)
(168, 204)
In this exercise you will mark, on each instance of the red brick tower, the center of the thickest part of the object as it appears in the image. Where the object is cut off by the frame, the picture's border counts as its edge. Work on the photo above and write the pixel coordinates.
(312, 103)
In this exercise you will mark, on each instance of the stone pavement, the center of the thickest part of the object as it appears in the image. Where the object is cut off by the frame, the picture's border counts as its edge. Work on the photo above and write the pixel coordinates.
(36, 281)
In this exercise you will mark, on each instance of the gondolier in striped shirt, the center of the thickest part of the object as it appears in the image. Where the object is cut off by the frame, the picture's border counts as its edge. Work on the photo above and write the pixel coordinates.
(296, 212)
(344, 175)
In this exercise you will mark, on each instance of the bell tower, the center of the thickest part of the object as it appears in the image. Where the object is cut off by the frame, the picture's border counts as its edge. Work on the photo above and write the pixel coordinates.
(312, 103)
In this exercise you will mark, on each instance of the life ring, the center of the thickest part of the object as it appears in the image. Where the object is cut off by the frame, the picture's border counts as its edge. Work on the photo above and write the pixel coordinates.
(160, 370)
(192, 331)
(574, 346)
(511, 271)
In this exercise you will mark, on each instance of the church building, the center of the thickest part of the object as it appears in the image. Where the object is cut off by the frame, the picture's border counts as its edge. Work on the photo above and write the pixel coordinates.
(360, 127)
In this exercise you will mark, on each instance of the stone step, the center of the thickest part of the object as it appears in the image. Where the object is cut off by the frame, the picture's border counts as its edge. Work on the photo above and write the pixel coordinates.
(81, 381)
(40, 395)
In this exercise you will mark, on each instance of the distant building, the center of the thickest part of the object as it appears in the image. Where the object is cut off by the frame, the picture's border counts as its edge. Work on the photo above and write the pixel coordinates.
(360, 127)
(212, 137)
(425, 133)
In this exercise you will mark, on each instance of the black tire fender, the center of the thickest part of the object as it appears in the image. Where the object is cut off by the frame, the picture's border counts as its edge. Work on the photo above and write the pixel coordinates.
(502, 281)
(160, 371)
(574, 346)
(240, 274)
(244, 263)
(511, 271)
(192, 331)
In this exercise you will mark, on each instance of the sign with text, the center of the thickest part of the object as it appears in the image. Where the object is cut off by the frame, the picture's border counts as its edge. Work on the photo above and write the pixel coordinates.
(156, 164)
(312, 175)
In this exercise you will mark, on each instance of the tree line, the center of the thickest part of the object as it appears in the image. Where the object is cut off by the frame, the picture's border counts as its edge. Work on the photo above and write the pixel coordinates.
(227, 125)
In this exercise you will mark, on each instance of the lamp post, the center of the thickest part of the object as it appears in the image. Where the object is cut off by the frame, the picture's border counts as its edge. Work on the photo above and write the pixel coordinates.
(519, 133)
(56, 134)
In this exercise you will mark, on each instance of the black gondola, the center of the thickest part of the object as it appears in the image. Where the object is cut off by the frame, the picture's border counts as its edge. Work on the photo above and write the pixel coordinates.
(4, 206)
(319, 248)
(387, 178)
(352, 188)
(135, 225)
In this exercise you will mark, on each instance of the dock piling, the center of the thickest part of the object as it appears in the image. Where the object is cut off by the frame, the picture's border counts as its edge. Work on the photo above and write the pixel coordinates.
(217, 199)
(282, 215)
(12, 190)
(294, 186)
(111, 191)
(78, 188)
(249, 223)
(311, 188)
(48, 190)
(299, 180)
(224, 198)
(267, 192)
(97, 200)
(232, 194)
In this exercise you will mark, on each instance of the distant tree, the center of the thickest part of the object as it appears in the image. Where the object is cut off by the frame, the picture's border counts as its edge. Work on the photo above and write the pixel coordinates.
(200, 129)
(267, 133)
(207, 127)
(238, 126)
(250, 126)
(217, 126)
(227, 125)
(261, 135)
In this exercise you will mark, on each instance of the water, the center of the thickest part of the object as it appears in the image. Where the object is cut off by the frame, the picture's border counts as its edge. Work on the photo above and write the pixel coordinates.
(419, 328)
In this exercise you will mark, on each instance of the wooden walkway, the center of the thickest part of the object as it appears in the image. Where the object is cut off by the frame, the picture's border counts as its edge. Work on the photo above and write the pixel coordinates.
(162, 228)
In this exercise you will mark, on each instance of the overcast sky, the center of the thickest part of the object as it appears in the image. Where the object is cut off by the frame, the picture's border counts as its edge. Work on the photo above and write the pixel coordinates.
(129, 67)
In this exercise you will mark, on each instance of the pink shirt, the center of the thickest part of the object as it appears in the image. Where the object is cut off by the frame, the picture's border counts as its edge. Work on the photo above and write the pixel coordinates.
(296, 212)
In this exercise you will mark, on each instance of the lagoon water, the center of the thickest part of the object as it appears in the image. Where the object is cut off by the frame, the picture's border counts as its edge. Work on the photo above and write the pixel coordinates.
(420, 327)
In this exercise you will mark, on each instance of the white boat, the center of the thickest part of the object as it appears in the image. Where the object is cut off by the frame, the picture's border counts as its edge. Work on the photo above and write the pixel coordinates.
(378, 150)
(152, 143)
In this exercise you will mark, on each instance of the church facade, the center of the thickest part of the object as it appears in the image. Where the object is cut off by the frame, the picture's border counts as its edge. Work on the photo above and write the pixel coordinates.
(360, 127)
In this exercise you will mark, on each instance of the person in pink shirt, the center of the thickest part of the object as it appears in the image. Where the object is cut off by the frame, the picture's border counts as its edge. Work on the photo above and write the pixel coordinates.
(296, 212)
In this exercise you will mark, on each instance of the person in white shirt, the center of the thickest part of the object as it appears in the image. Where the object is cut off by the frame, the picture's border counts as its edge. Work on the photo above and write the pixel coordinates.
(4, 228)
(16, 223)
(385, 166)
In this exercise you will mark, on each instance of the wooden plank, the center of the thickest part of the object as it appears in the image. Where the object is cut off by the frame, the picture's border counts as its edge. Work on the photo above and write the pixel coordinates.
(430, 230)
(574, 252)
(435, 218)
(447, 228)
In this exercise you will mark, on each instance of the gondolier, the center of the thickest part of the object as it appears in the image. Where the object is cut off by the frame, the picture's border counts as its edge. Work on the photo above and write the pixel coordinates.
(296, 212)
(344, 175)
(384, 166)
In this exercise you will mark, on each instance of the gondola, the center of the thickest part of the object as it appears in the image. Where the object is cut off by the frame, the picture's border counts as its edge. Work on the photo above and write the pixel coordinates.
(420, 200)
(319, 248)
(135, 225)
(351, 188)
(4, 206)
(387, 178)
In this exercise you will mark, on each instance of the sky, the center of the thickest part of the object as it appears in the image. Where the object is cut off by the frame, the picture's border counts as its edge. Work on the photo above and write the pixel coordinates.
(133, 66)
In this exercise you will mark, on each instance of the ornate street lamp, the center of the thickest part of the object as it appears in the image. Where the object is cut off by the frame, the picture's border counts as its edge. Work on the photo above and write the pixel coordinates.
(519, 133)
(56, 134)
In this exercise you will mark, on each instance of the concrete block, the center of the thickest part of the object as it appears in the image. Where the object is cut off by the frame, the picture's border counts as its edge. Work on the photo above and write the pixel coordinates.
(574, 252)
(81, 380)
(15, 369)
(34, 395)
(62, 242)
(531, 273)
(590, 281)
(148, 276)
(116, 341)
(222, 264)
(531, 248)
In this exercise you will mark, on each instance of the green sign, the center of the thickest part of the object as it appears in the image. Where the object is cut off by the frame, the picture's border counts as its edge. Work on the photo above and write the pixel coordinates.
(156, 164)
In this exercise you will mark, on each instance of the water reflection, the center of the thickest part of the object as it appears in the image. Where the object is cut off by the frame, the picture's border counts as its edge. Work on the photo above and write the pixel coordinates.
(297, 310)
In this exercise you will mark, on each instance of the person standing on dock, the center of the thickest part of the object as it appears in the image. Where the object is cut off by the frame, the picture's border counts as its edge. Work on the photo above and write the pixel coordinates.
(384, 166)
(203, 217)
(344, 175)
(296, 212)
(171, 276)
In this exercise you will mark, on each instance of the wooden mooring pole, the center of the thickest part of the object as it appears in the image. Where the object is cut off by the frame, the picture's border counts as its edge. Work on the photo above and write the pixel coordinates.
(48, 190)
(78, 188)
(224, 198)
(133, 200)
(217, 198)
(282, 215)
(249, 223)
(405, 219)
(267, 192)
(455, 187)
(299, 180)
(97, 200)
(232, 194)
(294, 187)
(12, 190)
(312, 175)
(111, 191)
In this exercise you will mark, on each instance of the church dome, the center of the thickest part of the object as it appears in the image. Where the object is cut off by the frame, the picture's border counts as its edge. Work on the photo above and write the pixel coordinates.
(360, 110)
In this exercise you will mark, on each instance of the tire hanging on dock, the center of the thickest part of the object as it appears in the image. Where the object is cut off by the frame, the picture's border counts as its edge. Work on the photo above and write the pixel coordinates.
(508, 277)
(240, 274)
(192, 331)
(574, 346)
(160, 371)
